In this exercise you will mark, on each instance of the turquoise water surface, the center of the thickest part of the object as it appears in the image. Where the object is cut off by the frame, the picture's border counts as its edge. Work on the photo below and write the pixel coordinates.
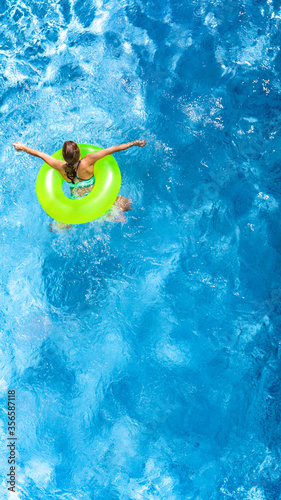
(145, 355)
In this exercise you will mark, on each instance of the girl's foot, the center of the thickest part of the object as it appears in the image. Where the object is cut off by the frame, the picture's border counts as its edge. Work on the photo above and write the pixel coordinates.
(55, 226)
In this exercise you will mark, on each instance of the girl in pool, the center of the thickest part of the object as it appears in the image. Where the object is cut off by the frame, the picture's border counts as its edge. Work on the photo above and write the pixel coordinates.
(80, 173)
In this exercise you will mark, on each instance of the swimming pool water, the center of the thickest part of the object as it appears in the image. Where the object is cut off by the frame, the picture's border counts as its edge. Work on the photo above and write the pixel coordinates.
(146, 355)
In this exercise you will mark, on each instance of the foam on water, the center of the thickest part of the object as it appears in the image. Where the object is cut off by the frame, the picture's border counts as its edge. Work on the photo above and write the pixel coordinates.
(145, 355)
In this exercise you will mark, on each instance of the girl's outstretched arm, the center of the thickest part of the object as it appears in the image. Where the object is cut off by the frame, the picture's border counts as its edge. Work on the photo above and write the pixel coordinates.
(57, 164)
(114, 149)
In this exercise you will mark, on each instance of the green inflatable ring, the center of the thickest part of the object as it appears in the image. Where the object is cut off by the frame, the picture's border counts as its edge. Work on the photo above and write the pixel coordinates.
(101, 198)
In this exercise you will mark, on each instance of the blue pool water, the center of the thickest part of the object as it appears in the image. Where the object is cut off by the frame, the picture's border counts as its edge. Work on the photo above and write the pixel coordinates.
(146, 355)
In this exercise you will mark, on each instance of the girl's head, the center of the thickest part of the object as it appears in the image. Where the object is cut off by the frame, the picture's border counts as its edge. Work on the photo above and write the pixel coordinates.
(71, 154)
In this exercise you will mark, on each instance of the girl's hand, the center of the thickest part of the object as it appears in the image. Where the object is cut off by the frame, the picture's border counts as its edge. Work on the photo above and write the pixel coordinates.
(19, 146)
(140, 143)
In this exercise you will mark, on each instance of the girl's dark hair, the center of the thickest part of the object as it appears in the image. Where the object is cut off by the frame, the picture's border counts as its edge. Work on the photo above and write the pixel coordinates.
(71, 154)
